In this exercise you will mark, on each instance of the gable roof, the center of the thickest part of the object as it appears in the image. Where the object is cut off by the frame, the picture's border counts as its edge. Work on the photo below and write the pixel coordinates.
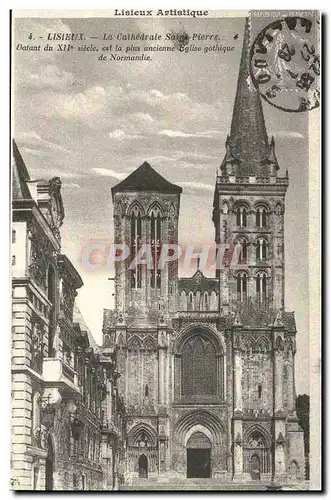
(198, 282)
(20, 175)
(145, 178)
(78, 318)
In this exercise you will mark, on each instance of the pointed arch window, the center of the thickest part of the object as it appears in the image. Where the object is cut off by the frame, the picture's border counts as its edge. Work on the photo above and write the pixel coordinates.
(190, 301)
(261, 216)
(156, 232)
(199, 367)
(243, 251)
(242, 280)
(241, 215)
(261, 249)
(261, 288)
(206, 301)
(136, 241)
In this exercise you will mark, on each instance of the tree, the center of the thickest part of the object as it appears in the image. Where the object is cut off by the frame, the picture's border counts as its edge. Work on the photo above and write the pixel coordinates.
(302, 409)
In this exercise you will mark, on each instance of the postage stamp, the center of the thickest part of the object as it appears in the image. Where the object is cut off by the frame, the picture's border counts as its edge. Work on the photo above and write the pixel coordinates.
(285, 62)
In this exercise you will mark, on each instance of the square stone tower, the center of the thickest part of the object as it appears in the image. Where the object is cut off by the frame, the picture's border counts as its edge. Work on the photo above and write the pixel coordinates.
(249, 206)
(146, 208)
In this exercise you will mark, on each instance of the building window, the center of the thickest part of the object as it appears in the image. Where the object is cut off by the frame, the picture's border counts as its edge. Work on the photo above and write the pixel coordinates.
(241, 214)
(206, 301)
(52, 320)
(146, 391)
(259, 390)
(261, 249)
(243, 251)
(242, 279)
(261, 217)
(37, 348)
(155, 222)
(35, 477)
(136, 241)
(199, 367)
(261, 288)
(190, 301)
(35, 415)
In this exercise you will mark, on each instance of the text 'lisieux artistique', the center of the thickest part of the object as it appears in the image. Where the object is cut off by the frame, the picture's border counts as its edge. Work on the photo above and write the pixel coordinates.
(161, 12)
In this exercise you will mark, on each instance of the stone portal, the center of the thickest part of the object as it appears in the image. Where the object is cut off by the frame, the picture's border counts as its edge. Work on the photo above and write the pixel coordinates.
(198, 456)
(143, 466)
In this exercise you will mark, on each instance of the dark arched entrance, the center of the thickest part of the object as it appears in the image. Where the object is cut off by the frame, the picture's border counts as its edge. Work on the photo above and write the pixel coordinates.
(255, 467)
(143, 466)
(198, 455)
(49, 466)
(294, 470)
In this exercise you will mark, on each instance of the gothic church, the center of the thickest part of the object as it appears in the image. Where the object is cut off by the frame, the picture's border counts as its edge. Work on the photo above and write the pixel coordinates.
(207, 364)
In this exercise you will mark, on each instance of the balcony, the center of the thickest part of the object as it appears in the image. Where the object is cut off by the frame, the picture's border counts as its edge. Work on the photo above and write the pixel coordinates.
(58, 374)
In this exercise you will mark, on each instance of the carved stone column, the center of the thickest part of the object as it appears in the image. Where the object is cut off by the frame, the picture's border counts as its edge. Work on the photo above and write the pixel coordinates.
(161, 375)
(278, 360)
(162, 345)
(237, 362)
(238, 447)
(237, 435)
(291, 383)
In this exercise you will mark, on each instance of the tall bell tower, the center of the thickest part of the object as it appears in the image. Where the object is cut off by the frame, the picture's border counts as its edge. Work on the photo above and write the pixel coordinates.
(249, 203)
(249, 206)
(146, 208)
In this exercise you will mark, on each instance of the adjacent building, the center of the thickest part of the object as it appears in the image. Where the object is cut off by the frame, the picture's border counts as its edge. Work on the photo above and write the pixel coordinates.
(68, 420)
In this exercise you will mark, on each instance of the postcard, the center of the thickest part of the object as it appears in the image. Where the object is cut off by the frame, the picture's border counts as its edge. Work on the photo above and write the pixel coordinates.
(165, 250)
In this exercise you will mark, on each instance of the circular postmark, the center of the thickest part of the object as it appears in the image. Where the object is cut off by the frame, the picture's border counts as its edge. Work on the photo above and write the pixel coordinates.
(285, 65)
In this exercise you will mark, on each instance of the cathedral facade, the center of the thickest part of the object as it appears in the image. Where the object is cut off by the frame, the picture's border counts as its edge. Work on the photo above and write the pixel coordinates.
(196, 375)
(207, 363)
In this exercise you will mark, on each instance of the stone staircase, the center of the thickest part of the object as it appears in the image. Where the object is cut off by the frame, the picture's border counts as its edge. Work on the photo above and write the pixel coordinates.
(192, 484)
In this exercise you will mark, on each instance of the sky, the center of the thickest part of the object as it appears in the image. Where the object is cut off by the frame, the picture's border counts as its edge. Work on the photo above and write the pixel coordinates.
(92, 123)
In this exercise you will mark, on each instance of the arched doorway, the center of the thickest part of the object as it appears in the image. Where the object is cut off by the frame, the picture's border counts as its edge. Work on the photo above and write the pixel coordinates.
(257, 452)
(143, 466)
(198, 449)
(255, 467)
(49, 466)
(294, 471)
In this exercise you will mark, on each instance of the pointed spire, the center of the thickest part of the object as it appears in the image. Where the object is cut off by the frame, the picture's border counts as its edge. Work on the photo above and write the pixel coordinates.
(248, 138)
(20, 176)
(272, 160)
